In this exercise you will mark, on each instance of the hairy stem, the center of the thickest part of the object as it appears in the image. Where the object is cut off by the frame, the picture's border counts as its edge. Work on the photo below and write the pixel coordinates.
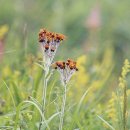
(62, 109)
(44, 102)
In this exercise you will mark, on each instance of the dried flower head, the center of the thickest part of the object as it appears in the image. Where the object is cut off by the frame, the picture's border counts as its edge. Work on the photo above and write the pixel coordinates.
(49, 43)
(66, 69)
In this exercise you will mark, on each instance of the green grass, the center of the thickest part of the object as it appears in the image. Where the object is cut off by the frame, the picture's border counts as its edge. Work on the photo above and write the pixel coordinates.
(90, 103)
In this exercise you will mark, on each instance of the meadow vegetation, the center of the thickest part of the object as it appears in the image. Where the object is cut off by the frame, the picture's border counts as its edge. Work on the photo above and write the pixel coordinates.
(34, 96)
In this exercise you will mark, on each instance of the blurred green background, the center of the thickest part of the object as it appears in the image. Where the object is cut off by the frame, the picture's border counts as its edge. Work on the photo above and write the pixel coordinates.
(74, 18)
(98, 35)
(91, 28)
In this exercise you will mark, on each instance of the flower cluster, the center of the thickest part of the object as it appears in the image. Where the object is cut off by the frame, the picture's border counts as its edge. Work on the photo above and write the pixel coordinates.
(49, 42)
(66, 69)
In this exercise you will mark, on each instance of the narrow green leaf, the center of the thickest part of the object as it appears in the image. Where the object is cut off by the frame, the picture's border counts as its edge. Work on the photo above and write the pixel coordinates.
(106, 122)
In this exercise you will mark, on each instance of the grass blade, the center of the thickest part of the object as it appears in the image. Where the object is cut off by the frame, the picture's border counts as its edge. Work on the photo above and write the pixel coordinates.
(11, 95)
(81, 100)
(106, 122)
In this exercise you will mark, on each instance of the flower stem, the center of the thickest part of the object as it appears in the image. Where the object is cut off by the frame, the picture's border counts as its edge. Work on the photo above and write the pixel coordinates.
(44, 102)
(125, 108)
(62, 109)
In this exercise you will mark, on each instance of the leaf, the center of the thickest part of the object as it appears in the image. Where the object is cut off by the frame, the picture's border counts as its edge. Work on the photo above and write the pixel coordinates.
(6, 127)
(16, 93)
(19, 109)
(36, 102)
(81, 100)
(41, 66)
(106, 122)
(49, 120)
(11, 95)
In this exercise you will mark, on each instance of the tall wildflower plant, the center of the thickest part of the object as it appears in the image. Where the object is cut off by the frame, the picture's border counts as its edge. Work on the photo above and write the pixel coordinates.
(66, 70)
(123, 93)
(117, 112)
(49, 43)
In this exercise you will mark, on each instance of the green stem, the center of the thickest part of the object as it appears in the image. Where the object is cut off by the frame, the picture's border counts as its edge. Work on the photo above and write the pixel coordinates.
(125, 108)
(63, 109)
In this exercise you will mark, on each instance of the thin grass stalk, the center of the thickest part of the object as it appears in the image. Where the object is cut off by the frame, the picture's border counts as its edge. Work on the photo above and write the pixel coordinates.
(125, 107)
(44, 102)
(11, 95)
(120, 111)
(63, 109)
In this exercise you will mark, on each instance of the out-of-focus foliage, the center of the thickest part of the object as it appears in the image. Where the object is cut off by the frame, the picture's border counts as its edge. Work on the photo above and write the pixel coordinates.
(97, 37)
(3, 31)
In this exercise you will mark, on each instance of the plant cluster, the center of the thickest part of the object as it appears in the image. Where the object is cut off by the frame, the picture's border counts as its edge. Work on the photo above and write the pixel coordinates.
(49, 42)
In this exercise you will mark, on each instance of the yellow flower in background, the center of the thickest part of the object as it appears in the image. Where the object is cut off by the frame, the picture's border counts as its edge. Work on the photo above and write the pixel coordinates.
(117, 105)
(3, 30)
(125, 70)
(128, 92)
(82, 60)
(81, 76)
(6, 71)
(30, 64)
(111, 108)
(16, 74)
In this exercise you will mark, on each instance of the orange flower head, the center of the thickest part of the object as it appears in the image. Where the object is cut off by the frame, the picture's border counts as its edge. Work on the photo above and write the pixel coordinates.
(42, 35)
(60, 37)
(66, 69)
(49, 42)
(47, 46)
(54, 66)
(60, 64)
(71, 64)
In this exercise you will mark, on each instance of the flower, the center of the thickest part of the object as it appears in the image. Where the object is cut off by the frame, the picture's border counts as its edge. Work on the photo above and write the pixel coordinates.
(94, 19)
(3, 30)
(111, 108)
(49, 43)
(66, 69)
(82, 77)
